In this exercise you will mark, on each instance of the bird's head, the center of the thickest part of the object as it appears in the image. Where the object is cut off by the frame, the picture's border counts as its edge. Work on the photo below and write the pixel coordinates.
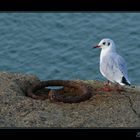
(106, 44)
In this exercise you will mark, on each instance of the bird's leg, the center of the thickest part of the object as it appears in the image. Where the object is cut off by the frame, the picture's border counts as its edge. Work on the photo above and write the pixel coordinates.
(107, 87)
(115, 87)
(107, 83)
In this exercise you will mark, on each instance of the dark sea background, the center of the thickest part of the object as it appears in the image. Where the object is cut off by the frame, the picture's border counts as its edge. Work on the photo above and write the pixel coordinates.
(59, 45)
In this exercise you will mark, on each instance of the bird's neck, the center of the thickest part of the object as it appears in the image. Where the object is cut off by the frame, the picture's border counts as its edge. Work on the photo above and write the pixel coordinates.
(105, 52)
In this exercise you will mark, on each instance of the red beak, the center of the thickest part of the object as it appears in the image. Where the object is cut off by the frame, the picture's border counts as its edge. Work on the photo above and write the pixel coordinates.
(96, 47)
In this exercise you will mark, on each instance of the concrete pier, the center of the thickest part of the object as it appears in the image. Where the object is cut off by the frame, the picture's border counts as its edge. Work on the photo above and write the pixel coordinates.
(105, 109)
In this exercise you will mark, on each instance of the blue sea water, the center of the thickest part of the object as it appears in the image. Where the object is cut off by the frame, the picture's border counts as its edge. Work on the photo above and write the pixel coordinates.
(59, 45)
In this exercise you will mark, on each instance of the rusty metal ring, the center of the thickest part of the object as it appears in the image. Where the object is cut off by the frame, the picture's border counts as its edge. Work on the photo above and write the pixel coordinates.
(54, 95)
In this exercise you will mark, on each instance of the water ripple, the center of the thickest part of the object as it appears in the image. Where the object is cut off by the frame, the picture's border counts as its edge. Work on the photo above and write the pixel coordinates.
(59, 45)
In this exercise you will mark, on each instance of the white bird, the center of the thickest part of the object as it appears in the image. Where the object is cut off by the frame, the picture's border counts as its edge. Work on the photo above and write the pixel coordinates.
(112, 65)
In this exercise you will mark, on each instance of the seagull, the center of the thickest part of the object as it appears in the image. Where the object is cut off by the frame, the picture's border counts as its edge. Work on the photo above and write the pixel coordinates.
(112, 66)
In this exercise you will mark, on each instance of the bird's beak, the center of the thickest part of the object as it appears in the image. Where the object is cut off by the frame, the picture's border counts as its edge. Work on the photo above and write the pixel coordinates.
(96, 46)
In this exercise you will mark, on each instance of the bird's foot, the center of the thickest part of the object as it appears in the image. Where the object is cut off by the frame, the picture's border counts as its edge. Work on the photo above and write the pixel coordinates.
(105, 88)
(108, 87)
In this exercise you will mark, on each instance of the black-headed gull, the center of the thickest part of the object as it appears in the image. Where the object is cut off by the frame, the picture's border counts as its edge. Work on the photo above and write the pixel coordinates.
(112, 65)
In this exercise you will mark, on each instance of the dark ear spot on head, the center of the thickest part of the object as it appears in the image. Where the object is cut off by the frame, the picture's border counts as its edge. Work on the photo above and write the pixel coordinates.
(108, 43)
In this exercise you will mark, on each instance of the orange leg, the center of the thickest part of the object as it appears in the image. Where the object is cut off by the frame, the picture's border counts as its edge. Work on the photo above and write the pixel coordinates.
(105, 88)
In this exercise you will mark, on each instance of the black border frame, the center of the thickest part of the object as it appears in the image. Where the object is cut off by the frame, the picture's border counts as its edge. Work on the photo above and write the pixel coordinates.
(70, 133)
(69, 6)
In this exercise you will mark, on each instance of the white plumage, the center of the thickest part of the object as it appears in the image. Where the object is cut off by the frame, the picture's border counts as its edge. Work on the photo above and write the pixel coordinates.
(112, 65)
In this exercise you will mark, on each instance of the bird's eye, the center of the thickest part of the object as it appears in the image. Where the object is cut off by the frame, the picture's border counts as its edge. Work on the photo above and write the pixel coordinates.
(108, 43)
(103, 43)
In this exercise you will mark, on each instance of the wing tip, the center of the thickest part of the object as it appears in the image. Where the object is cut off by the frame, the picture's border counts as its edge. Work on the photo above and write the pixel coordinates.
(124, 81)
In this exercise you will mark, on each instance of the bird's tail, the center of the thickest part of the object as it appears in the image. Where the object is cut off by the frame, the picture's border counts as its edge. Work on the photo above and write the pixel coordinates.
(126, 82)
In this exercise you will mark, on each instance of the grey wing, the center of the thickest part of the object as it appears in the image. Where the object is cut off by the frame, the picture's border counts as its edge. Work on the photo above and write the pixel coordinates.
(122, 65)
(114, 68)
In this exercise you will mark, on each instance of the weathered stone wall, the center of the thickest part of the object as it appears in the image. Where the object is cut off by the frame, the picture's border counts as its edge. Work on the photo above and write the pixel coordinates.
(109, 109)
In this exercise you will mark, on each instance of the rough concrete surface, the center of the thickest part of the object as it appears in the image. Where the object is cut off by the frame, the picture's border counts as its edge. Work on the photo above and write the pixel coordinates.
(105, 109)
